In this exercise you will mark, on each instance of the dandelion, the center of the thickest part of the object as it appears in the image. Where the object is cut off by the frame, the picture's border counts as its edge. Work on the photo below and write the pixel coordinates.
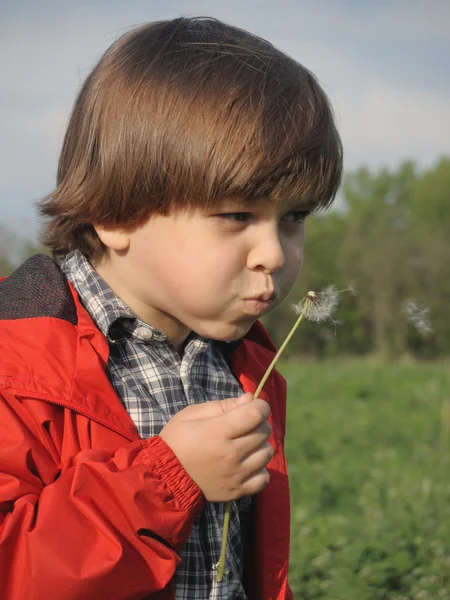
(317, 307)
(418, 317)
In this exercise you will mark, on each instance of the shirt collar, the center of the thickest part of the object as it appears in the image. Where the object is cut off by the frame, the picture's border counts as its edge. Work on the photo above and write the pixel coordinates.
(98, 298)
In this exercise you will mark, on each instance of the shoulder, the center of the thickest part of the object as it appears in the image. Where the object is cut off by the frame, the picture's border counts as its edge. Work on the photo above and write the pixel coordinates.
(41, 325)
(37, 288)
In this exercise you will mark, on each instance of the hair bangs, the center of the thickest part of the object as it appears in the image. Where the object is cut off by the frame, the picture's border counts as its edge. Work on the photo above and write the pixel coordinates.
(278, 145)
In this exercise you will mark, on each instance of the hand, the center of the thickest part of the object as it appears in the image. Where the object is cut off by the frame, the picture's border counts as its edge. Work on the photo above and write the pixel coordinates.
(223, 446)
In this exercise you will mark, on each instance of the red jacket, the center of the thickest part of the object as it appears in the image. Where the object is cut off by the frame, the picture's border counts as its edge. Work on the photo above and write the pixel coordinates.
(88, 509)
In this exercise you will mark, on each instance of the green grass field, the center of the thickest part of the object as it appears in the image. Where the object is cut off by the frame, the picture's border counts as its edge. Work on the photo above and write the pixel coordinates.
(368, 448)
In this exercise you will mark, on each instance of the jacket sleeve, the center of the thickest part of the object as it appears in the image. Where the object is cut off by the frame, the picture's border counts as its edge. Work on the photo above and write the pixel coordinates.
(109, 526)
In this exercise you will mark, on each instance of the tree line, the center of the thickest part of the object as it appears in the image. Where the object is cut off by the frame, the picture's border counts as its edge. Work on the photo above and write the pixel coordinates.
(389, 241)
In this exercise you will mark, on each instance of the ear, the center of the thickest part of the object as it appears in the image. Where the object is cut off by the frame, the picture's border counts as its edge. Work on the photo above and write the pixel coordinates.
(115, 238)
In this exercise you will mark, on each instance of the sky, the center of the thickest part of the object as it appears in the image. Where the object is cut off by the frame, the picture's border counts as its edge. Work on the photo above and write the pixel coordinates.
(384, 64)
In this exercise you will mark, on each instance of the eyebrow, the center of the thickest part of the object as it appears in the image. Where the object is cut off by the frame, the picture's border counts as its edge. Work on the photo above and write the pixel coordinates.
(238, 205)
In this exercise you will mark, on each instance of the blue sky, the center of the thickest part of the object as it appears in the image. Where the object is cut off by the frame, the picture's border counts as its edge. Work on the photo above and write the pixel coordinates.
(385, 66)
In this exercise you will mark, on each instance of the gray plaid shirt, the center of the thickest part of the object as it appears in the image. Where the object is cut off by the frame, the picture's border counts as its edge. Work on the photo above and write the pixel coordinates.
(154, 382)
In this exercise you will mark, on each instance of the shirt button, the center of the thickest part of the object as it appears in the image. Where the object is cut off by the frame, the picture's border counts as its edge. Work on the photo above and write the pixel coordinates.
(144, 333)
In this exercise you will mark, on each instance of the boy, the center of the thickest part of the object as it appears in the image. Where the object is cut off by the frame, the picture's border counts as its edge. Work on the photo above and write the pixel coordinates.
(193, 155)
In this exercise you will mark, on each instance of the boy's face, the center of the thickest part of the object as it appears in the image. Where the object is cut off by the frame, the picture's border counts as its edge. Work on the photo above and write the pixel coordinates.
(212, 271)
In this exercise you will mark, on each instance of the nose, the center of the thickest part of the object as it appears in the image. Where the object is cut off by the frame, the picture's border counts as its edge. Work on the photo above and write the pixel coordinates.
(266, 253)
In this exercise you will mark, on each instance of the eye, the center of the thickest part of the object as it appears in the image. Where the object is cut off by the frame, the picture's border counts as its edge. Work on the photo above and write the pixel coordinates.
(236, 217)
(296, 216)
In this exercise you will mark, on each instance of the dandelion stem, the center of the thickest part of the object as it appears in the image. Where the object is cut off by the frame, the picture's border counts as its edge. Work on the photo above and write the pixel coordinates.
(226, 520)
(223, 549)
(278, 354)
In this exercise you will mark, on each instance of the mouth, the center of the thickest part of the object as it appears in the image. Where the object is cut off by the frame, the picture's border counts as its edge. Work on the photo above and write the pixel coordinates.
(267, 296)
(258, 305)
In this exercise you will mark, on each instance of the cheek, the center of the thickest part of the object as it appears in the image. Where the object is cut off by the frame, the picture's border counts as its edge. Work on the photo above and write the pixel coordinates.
(193, 272)
(204, 283)
(213, 262)
(294, 268)
(294, 257)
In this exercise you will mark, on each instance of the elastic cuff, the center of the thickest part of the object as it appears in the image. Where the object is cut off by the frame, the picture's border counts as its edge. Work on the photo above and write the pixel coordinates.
(158, 455)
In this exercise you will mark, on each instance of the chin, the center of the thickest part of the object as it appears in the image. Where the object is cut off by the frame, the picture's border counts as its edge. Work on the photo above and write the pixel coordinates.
(229, 332)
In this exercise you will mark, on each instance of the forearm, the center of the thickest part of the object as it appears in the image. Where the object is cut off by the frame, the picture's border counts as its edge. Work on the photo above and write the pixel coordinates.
(108, 525)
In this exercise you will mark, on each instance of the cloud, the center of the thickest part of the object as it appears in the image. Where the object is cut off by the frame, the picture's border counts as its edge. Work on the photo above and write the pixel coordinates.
(413, 21)
(385, 124)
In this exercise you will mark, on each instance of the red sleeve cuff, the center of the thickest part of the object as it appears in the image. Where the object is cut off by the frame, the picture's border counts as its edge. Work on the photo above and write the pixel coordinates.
(156, 454)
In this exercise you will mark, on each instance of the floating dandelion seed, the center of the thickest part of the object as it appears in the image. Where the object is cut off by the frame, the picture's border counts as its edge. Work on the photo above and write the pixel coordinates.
(335, 323)
(418, 317)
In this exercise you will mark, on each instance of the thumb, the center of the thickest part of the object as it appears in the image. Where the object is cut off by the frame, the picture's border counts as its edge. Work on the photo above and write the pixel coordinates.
(230, 403)
(214, 408)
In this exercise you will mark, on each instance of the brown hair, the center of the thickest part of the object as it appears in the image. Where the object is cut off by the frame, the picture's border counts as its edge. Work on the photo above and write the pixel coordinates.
(181, 113)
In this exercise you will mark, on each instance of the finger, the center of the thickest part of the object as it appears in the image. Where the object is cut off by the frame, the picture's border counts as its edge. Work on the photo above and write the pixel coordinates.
(255, 483)
(258, 459)
(250, 442)
(244, 419)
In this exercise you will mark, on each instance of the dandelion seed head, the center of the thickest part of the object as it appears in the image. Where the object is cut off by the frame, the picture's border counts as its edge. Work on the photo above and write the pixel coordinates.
(318, 306)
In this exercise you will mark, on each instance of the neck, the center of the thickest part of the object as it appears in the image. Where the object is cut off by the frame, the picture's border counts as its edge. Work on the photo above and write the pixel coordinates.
(174, 330)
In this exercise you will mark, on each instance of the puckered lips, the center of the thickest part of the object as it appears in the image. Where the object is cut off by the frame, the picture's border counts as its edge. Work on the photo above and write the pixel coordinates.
(259, 304)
